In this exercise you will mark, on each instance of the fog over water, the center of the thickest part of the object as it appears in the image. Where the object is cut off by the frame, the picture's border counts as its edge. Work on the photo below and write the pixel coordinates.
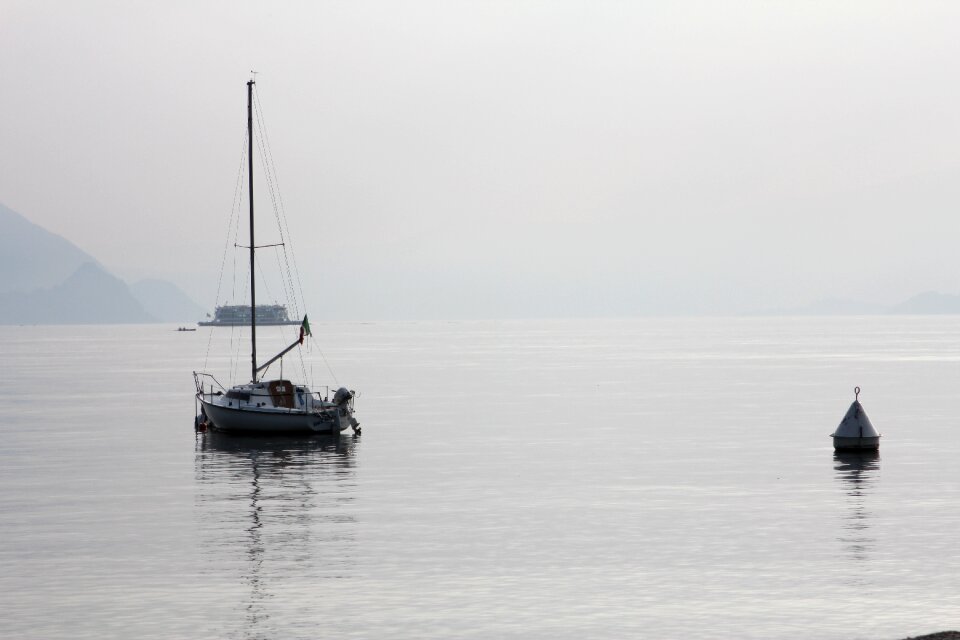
(484, 159)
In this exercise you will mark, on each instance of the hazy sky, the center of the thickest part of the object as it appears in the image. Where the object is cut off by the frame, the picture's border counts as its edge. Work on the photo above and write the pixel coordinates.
(451, 159)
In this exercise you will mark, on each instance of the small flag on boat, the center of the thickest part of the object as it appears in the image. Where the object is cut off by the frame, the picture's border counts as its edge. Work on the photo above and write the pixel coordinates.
(306, 326)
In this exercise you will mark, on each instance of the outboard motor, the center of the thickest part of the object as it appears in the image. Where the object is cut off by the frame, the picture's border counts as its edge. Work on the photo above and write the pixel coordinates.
(342, 396)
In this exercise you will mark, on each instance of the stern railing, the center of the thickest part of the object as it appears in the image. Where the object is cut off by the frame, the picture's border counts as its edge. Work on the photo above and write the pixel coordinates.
(198, 382)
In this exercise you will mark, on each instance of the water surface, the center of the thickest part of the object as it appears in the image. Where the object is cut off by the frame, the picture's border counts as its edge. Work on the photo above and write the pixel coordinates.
(661, 478)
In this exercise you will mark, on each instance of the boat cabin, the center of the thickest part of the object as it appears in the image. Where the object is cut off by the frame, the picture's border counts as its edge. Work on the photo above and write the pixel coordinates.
(276, 394)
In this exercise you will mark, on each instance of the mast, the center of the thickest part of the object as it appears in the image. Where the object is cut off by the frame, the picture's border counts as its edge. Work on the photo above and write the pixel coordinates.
(253, 284)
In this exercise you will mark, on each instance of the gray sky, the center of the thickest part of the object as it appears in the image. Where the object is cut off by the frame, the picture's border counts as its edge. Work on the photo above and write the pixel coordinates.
(458, 159)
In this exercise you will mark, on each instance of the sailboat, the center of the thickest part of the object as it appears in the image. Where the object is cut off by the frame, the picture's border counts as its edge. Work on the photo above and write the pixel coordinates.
(268, 406)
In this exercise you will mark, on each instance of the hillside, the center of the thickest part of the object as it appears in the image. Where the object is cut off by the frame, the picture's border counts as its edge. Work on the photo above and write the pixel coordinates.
(166, 302)
(46, 279)
(33, 258)
(89, 296)
(929, 303)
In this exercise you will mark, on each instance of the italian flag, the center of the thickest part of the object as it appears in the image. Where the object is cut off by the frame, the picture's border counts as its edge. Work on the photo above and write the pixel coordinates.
(304, 329)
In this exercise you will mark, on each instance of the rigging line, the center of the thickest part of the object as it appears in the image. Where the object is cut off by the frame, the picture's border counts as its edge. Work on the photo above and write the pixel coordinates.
(237, 194)
(263, 279)
(237, 330)
(329, 368)
(299, 351)
(280, 213)
(233, 298)
(303, 364)
(268, 165)
(288, 291)
(259, 246)
(236, 237)
(273, 188)
(284, 332)
(271, 164)
(268, 156)
(283, 329)
(296, 316)
(235, 357)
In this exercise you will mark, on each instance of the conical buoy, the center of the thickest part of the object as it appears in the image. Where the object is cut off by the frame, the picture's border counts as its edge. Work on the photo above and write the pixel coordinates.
(855, 432)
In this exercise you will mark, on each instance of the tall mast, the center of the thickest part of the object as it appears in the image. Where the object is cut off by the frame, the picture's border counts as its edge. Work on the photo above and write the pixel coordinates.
(253, 284)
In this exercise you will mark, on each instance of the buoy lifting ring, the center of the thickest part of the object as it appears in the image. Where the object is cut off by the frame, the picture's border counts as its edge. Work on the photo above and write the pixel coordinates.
(856, 393)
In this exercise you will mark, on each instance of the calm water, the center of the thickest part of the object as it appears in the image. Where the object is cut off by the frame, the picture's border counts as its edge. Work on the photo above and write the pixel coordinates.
(569, 479)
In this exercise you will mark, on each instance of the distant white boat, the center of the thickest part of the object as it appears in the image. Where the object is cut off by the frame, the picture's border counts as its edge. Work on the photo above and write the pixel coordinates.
(267, 406)
(238, 315)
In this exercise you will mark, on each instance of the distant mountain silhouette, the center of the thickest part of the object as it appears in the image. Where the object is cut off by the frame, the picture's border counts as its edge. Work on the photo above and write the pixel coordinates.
(842, 307)
(929, 302)
(166, 302)
(31, 257)
(89, 296)
(46, 279)
(830, 307)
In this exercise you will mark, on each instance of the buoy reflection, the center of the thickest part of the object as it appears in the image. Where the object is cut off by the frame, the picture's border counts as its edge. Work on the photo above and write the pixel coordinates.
(857, 473)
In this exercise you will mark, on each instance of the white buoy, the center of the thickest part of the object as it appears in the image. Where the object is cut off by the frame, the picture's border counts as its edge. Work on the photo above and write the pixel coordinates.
(855, 432)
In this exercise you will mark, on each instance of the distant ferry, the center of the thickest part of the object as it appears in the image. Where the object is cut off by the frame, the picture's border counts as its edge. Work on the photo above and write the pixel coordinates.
(239, 315)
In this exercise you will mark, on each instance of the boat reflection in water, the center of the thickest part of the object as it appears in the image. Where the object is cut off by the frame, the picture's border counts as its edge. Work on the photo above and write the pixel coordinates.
(277, 522)
(857, 473)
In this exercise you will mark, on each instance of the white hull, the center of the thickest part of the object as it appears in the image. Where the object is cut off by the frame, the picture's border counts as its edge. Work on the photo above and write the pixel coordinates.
(249, 420)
